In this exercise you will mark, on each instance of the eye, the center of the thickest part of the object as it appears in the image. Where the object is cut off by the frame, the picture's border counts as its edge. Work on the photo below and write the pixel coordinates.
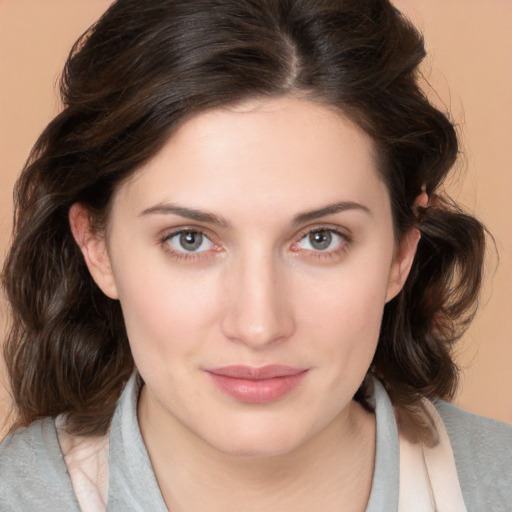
(189, 241)
(321, 240)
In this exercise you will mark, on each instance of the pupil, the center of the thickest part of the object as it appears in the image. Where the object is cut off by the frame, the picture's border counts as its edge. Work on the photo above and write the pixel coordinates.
(320, 239)
(191, 240)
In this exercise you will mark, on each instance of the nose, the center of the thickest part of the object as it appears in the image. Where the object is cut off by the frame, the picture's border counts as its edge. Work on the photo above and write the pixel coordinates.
(259, 309)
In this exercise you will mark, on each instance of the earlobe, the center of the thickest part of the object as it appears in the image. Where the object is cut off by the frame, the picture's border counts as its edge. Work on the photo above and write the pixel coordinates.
(402, 263)
(94, 249)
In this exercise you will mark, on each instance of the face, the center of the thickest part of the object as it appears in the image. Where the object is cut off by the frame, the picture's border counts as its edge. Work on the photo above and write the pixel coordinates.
(252, 258)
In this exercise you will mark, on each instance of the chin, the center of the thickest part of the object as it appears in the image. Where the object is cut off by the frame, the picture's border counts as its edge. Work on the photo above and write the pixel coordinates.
(253, 442)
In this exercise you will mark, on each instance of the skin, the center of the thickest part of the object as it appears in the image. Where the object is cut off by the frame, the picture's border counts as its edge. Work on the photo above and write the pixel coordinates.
(256, 292)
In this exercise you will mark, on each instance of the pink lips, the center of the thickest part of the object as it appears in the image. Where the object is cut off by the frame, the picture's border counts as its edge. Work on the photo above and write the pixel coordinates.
(257, 385)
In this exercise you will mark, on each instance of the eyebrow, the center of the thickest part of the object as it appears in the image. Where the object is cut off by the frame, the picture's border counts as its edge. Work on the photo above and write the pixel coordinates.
(187, 213)
(330, 209)
(210, 218)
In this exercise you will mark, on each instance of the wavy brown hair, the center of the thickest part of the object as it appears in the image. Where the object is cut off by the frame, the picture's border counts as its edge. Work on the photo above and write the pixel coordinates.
(140, 71)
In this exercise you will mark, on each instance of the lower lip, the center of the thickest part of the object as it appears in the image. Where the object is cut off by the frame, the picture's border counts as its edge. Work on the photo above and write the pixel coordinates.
(258, 391)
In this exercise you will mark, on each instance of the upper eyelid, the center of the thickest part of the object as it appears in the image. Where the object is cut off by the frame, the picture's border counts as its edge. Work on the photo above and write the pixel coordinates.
(343, 232)
(165, 234)
(168, 233)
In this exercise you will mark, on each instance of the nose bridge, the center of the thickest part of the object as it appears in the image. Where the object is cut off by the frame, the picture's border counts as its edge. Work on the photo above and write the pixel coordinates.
(259, 311)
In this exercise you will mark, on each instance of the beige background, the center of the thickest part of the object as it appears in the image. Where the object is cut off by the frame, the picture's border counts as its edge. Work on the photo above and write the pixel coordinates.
(470, 67)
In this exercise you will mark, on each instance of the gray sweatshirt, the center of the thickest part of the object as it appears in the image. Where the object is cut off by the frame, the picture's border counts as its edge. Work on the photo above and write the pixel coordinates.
(34, 476)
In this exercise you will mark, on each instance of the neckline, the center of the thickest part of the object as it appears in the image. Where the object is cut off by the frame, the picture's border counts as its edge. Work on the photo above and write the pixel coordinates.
(386, 475)
(132, 479)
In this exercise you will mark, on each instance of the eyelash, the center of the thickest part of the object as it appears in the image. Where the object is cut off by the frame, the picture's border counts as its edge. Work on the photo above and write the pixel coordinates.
(187, 255)
(341, 248)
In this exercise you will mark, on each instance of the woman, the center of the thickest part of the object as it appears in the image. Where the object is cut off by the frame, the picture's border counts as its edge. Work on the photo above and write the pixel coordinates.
(234, 282)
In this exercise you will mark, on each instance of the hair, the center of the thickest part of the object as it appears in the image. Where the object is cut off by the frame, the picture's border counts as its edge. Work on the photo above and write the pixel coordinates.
(129, 82)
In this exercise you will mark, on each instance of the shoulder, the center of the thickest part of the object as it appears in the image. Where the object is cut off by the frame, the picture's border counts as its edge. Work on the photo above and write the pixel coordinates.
(33, 474)
(482, 448)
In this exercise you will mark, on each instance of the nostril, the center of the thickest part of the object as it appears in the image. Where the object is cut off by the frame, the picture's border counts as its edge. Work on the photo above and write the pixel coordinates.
(258, 327)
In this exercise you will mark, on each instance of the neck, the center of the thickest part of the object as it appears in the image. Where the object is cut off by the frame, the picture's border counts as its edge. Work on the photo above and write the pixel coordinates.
(331, 471)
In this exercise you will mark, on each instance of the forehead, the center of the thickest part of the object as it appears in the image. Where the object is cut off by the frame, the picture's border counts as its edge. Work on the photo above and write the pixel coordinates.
(279, 154)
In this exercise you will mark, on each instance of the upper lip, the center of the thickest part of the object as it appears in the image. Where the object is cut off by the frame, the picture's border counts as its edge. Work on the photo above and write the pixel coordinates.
(256, 373)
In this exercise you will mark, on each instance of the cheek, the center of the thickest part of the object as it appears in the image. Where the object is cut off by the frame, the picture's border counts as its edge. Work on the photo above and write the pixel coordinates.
(348, 294)
(166, 312)
(343, 312)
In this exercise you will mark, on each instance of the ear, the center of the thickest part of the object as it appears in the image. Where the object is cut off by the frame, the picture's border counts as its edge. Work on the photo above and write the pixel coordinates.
(402, 263)
(94, 249)
(404, 257)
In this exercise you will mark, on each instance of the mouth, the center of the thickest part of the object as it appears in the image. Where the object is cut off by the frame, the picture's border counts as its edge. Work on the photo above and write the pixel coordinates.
(257, 385)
